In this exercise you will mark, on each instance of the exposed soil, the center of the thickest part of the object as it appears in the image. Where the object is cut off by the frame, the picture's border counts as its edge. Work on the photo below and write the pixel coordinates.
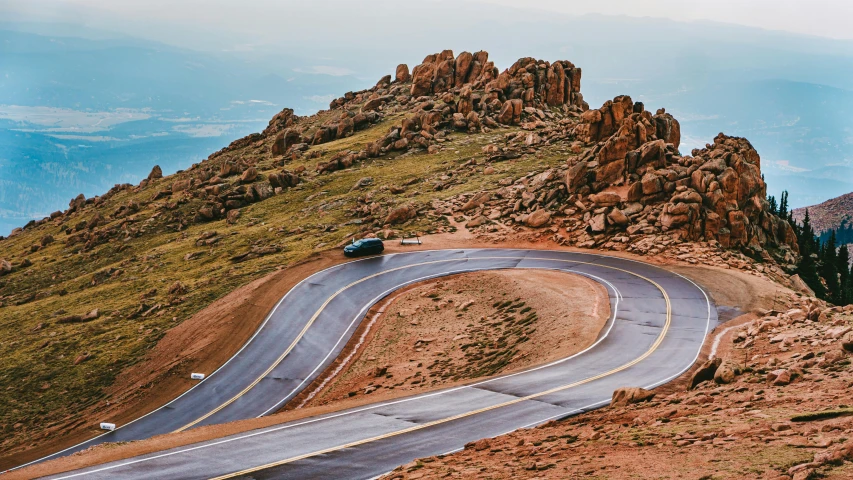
(726, 286)
(469, 326)
(786, 414)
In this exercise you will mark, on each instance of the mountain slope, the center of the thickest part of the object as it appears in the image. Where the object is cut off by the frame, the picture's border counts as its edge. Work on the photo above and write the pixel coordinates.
(86, 293)
(828, 215)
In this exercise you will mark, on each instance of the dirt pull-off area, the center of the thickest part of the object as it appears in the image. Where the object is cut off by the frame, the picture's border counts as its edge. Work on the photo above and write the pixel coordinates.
(469, 326)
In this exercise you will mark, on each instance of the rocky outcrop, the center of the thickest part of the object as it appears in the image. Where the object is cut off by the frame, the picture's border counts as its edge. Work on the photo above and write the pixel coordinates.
(156, 173)
(716, 193)
(534, 82)
(282, 120)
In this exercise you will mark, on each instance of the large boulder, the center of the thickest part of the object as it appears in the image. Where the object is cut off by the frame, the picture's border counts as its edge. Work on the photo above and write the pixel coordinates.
(402, 73)
(617, 217)
(705, 372)
(510, 112)
(605, 199)
(444, 75)
(284, 140)
(462, 68)
(628, 395)
(5, 267)
(597, 223)
(727, 372)
(779, 377)
(667, 128)
(249, 175)
(76, 203)
(156, 173)
(401, 214)
(847, 342)
(539, 218)
(422, 79)
(576, 176)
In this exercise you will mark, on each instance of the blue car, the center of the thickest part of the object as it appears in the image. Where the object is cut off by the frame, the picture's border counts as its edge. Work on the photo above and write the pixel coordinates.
(365, 246)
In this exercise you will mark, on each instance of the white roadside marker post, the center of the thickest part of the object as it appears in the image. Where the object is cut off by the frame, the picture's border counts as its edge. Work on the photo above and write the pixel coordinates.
(197, 376)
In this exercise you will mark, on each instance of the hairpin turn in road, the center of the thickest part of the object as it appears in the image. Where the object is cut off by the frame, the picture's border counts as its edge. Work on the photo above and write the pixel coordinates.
(658, 323)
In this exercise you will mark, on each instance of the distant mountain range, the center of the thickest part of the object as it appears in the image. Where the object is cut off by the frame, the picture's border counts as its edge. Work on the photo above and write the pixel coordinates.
(80, 115)
(120, 104)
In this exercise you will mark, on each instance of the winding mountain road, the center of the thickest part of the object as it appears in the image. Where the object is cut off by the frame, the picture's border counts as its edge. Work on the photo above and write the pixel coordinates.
(659, 321)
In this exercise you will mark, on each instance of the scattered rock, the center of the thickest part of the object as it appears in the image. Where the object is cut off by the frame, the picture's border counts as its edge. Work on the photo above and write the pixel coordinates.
(82, 358)
(847, 342)
(779, 377)
(705, 372)
(363, 182)
(627, 395)
(80, 318)
(727, 372)
(178, 288)
(539, 218)
(479, 445)
(5, 267)
(249, 175)
(400, 214)
(476, 221)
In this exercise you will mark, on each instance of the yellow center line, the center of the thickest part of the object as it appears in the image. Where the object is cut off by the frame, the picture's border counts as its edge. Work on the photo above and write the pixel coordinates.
(485, 409)
(299, 337)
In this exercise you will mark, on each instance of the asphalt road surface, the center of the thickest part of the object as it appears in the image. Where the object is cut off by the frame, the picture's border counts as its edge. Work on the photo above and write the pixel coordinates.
(659, 321)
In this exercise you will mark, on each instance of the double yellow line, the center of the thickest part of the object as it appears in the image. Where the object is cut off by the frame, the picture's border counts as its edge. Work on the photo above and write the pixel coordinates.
(299, 337)
(473, 412)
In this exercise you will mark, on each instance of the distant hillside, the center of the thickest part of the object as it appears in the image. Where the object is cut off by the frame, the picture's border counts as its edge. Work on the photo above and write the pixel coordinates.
(78, 115)
(829, 215)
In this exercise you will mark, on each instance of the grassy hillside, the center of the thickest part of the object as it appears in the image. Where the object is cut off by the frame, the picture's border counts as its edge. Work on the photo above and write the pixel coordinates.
(53, 369)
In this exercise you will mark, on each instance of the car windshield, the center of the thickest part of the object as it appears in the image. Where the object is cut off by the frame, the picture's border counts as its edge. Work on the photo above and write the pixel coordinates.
(358, 243)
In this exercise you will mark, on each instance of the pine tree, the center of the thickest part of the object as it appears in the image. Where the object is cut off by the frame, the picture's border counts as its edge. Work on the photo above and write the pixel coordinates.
(842, 262)
(843, 267)
(783, 205)
(807, 269)
(774, 209)
(829, 269)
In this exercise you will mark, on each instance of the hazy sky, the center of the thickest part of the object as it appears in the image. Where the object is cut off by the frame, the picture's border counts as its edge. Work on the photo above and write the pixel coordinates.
(267, 18)
(825, 18)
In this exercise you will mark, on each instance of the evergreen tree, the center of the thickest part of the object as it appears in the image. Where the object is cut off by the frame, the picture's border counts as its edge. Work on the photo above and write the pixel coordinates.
(774, 209)
(829, 270)
(845, 282)
(808, 266)
(783, 206)
(842, 262)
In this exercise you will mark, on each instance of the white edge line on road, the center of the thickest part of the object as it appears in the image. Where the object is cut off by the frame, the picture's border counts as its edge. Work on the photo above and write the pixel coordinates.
(384, 294)
(618, 296)
(699, 350)
(207, 377)
(612, 321)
